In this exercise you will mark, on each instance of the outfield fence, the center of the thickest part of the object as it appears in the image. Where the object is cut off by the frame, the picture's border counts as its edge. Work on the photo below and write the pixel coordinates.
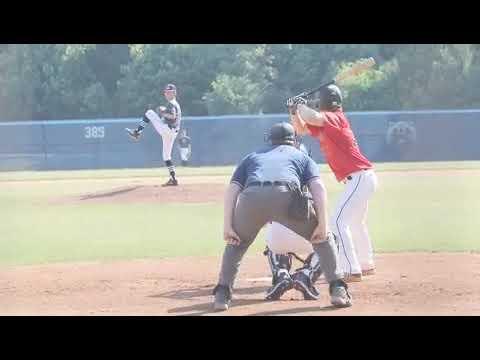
(223, 140)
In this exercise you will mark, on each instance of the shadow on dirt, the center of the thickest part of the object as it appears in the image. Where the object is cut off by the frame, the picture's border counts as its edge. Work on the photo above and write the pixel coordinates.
(182, 294)
(300, 311)
(207, 308)
(110, 193)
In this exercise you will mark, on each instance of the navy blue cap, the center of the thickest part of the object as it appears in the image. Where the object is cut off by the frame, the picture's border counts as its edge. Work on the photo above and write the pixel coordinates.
(170, 87)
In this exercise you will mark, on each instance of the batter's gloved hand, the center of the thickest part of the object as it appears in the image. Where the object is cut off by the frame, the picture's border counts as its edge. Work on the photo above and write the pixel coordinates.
(292, 107)
(294, 101)
(290, 102)
(133, 133)
(300, 100)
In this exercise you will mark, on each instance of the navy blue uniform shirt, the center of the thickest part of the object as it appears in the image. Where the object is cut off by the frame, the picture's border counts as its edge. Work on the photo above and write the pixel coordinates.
(276, 163)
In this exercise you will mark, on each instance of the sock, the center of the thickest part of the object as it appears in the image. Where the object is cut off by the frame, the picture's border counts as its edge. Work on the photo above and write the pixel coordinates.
(171, 168)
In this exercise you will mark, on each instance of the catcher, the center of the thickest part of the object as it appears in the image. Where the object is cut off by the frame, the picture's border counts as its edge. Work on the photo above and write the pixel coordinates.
(265, 187)
(282, 245)
(166, 121)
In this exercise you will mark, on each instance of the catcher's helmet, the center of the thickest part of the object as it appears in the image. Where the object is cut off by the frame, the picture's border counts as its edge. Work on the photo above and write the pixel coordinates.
(330, 98)
(282, 133)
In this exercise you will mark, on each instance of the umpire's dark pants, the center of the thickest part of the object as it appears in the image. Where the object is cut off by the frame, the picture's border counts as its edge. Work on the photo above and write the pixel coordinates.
(258, 205)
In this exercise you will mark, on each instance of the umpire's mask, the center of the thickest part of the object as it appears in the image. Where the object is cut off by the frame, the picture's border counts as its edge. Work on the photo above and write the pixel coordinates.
(282, 134)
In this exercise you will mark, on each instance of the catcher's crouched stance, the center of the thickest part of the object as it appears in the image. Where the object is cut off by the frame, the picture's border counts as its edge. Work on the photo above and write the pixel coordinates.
(282, 245)
(265, 188)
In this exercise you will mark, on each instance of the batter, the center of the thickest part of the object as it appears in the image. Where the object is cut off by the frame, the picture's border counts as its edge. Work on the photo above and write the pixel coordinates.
(331, 128)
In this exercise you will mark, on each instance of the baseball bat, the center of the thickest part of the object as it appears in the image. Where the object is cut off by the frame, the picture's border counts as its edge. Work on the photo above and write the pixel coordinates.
(354, 70)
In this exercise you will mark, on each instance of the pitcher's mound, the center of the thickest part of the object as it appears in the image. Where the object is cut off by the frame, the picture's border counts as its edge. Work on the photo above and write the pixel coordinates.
(187, 193)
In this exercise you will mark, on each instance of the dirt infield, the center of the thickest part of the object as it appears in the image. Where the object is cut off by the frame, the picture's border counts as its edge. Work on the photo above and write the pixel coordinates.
(431, 284)
(187, 193)
(405, 283)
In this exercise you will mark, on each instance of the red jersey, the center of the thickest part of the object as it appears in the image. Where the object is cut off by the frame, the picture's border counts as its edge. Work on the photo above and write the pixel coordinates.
(339, 145)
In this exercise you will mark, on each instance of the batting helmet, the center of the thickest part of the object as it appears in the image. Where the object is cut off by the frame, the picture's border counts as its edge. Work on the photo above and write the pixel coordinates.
(282, 133)
(329, 98)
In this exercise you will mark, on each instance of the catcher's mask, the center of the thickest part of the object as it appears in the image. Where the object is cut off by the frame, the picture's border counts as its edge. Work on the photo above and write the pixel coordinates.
(281, 134)
(329, 98)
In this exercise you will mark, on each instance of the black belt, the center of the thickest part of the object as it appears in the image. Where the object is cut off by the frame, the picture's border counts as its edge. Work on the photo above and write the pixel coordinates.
(269, 183)
(350, 178)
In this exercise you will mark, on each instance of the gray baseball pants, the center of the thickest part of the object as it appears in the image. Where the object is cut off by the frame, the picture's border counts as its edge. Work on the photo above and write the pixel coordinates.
(258, 205)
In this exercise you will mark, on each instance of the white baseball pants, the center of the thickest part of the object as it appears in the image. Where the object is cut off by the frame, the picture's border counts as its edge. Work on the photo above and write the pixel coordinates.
(281, 240)
(167, 134)
(349, 223)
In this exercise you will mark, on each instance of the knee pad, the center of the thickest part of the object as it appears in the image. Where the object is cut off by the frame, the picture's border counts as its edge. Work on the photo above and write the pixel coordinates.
(313, 264)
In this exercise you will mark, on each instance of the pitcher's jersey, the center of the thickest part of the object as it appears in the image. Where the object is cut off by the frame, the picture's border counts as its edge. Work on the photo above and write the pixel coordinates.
(174, 108)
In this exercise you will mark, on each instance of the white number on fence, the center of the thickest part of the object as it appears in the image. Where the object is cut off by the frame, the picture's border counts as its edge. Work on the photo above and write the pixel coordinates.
(94, 132)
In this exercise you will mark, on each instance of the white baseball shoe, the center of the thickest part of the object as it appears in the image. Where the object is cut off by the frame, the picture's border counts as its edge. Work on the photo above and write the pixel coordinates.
(133, 133)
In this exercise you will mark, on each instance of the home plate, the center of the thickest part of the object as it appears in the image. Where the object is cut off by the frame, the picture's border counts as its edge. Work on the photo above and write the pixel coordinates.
(260, 279)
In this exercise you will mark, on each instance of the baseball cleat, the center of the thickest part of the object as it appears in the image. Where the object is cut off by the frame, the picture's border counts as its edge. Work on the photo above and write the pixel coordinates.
(303, 283)
(282, 285)
(171, 182)
(223, 297)
(368, 272)
(133, 133)
(220, 306)
(339, 295)
(349, 278)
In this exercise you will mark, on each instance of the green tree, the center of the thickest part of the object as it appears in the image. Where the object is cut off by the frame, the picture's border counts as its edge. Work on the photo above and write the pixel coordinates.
(243, 84)
(233, 95)
(55, 81)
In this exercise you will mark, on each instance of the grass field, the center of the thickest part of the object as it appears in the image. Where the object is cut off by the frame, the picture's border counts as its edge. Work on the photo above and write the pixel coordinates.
(419, 206)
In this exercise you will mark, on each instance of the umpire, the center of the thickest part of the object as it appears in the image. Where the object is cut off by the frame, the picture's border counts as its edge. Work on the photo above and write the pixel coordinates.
(262, 189)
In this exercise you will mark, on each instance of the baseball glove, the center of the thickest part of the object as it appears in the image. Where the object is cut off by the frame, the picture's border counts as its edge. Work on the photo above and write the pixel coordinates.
(161, 110)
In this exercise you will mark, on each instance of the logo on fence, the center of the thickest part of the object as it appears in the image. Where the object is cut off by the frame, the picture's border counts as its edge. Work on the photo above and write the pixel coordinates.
(401, 133)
